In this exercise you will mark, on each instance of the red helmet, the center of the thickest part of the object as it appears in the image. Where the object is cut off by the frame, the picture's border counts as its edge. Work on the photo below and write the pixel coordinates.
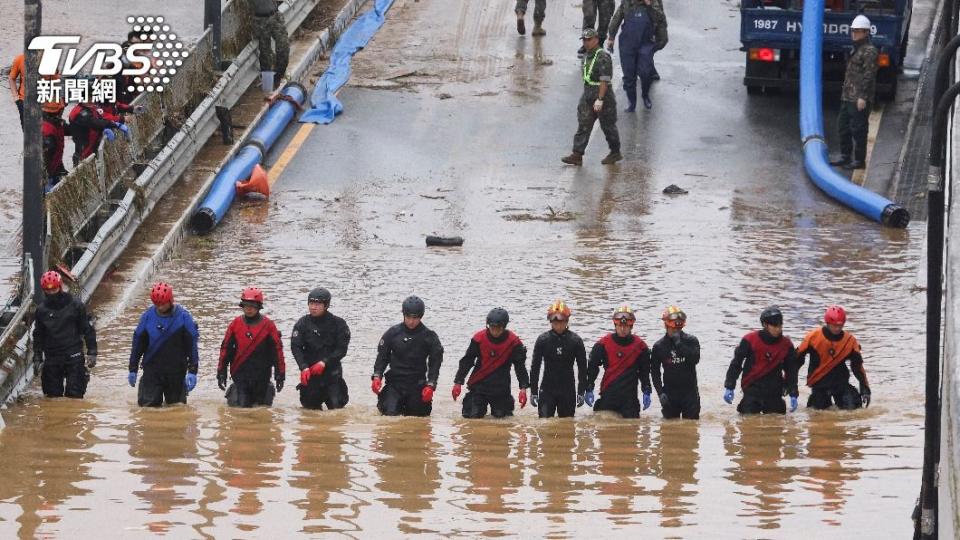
(161, 293)
(51, 281)
(835, 315)
(251, 294)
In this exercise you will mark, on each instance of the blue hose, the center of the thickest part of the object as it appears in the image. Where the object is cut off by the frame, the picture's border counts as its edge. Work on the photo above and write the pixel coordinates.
(262, 138)
(815, 157)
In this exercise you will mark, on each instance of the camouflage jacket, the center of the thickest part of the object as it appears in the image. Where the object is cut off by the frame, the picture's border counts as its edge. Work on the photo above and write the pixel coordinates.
(861, 77)
(656, 13)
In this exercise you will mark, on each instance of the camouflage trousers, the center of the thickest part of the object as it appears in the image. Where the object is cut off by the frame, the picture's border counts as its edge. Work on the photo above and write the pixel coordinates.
(591, 8)
(586, 118)
(265, 29)
(539, 9)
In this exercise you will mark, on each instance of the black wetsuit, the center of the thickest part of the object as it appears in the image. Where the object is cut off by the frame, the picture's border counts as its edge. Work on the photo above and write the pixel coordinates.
(322, 338)
(414, 358)
(557, 393)
(61, 328)
(679, 356)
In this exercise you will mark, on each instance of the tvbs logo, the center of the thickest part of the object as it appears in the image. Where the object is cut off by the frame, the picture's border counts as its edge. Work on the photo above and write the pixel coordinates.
(148, 60)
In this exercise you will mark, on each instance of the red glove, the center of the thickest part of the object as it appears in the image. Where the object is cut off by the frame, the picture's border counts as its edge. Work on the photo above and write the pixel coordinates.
(457, 388)
(427, 394)
(376, 384)
(522, 397)
(317, 369)
(305, 376)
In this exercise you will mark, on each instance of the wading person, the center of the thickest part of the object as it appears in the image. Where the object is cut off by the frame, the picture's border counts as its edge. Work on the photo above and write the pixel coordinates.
(268, 25)
(596, 103)
(644, 33)
(678, 354)
(319, 343)
(61, 328)
(859, 84)
(165, 343)
(828, 377)
(597, 15)
(250, 349)
(413, 354)
(768, 362)
(491, 353)
(625, 359)
(557, 350)
(539, 13)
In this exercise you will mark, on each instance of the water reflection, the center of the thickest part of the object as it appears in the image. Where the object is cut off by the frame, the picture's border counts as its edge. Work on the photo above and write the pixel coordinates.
(835, 448)
(163, 448)
(679, 451)
(322, 471)
(552, 451)
(409, 470)
(49, 448)
(250, 451)
(765, 452)
(489, 465)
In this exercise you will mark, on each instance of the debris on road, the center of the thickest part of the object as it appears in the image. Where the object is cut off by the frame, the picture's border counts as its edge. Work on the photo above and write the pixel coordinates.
(674, 189)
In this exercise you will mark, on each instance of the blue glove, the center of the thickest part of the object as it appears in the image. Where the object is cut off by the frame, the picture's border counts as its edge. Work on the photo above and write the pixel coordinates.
(728, 395)
(125, 129)
(793, 403)
(132, 378)
(646, 400)
(191, 381)
(109, 135)
(589, 398)
(534, 400)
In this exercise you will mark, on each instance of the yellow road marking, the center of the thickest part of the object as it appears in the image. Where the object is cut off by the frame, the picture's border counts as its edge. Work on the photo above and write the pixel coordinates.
(288, 153)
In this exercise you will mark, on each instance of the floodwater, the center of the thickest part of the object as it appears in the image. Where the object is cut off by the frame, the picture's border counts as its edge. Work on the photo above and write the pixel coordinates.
(470, 144)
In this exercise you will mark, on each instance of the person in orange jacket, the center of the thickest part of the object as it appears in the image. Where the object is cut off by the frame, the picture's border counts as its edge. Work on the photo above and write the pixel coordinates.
(18, 78)
(828, 377)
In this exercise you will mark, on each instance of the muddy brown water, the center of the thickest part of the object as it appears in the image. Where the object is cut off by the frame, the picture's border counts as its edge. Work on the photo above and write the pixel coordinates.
(350, 213)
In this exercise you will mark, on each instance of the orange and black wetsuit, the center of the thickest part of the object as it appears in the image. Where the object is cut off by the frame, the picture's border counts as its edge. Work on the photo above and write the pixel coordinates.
(828, 375)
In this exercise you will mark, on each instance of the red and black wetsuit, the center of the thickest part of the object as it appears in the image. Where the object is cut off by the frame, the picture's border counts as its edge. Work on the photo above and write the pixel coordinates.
(86, 127)
(490, 360)
(53, 131)
(769, 365)
(626, 364)
(828, 375)
(250, 349)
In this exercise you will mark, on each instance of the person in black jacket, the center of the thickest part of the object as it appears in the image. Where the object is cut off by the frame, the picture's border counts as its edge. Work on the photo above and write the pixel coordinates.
(413, 354)
(251, 348)
(769, 365)
(319, 342)
(491, 353)
(558, 349)
(626, 364)
(678, 353)
(166, 339)
(61, 328)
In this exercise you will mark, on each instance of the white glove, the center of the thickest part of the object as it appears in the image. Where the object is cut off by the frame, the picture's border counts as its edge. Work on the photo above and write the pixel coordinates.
(598, 106)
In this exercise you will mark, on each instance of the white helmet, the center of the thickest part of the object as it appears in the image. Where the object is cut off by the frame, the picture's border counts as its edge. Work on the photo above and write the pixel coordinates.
(860, 22)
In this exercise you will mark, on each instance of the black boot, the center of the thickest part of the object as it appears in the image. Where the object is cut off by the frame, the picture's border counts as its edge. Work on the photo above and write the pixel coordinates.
(855, 164)
(632, 98)
(840, 160)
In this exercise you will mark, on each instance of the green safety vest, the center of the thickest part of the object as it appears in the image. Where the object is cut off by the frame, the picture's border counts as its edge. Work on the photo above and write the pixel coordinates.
(588, 68)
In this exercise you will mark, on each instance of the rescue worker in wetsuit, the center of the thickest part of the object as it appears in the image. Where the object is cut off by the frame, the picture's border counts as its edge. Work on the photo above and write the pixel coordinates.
(768, 362)
(558, 350)
(413, 353)
(250, 348)
(626, 364)
(859, 85)
(491, 353)
(61, 328)
(678, 353)
(53, 131)
(319, 343)
(596, 103)
(644, 33)
(828, 377)
(87, 127)
(165, 343)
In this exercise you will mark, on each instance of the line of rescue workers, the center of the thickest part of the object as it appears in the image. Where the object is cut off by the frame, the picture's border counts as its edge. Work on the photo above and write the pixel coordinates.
(407, 367)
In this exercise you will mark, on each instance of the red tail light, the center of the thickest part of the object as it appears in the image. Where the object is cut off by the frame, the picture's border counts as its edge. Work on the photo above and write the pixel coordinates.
(765, 54)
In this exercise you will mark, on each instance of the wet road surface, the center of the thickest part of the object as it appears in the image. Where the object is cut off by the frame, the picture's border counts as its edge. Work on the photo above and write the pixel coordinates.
(467, 140)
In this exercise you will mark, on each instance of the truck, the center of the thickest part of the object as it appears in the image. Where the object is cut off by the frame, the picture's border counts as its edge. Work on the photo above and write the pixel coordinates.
(770, 37)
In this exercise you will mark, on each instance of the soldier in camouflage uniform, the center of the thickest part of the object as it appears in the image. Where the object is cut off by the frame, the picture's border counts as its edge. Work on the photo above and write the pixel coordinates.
(859, 85)
(644, 33)
(597, 102)
(267, 25)
(591, 8)
(539, 12)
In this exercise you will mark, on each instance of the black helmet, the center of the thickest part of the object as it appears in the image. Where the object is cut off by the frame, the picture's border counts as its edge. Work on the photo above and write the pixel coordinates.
(320, 295)
(772, 315)
(498, 317)
(413, 305)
